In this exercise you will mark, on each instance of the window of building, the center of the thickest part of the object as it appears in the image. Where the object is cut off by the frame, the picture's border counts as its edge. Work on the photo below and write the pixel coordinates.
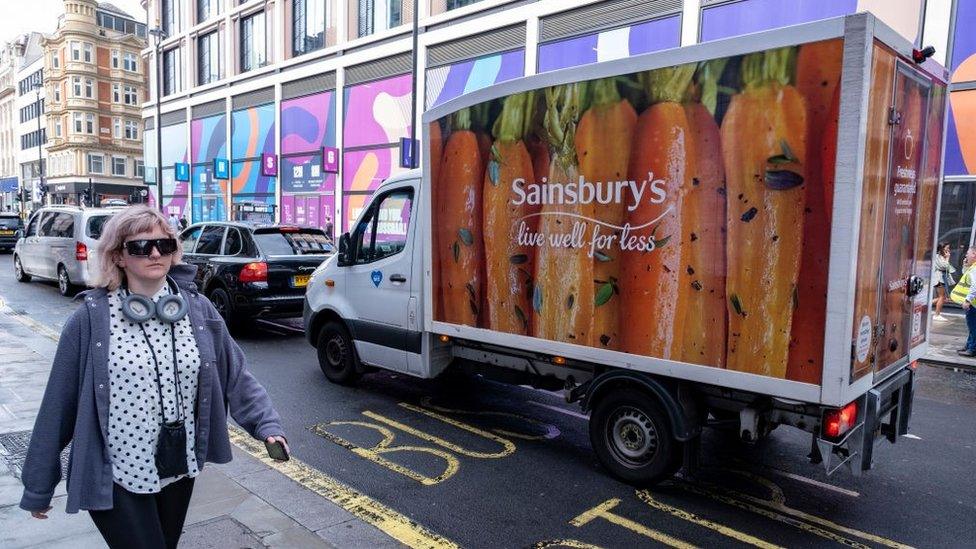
(378, 15)
(208, 59)
(138, 169)
(88, 52)
(168, 16)
(130, 95)
(89, 88)
(129, 61)
(95, 163)
(76, 86)
(253, 42)
(169, 71)
(207, 9)
(131, 130)
(118, 166)
(115, 59)
(57, 93)
(75, 51)
(308, 25)
(90, 123)
(116, 93)
(57, 127)
(55, 60)
(117, 128)
(77, 119)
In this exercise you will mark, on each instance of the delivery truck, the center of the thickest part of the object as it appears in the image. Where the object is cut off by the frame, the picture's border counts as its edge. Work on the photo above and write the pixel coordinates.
(739, 231)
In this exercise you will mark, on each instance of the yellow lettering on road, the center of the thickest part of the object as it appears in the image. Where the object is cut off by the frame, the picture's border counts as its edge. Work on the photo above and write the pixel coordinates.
(507, 445)
(388, 521)
(572, 543)
(647, 498)
(603, 511)
(375, 454)
(551, 431)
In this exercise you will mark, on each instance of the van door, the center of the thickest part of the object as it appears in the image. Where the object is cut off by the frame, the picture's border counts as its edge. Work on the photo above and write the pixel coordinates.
(29, 250)
(46, 239)
(379, 283)
(898, 285)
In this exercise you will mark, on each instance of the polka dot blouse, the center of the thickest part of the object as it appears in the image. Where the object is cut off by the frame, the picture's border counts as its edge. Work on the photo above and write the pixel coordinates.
(134, 416)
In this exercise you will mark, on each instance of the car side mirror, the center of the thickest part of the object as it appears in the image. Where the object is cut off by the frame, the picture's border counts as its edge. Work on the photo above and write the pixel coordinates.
(344, 244)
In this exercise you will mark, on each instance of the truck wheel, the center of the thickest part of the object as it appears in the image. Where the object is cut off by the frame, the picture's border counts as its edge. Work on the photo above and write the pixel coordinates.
(19, 272)
(65, 287)
(337, 355)
(631, 435)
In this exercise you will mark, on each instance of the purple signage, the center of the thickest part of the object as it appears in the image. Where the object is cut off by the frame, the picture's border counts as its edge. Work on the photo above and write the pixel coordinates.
(269, 165)
(330, 160)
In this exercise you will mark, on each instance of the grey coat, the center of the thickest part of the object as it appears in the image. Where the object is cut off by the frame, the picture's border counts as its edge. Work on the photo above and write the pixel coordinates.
(76, 402)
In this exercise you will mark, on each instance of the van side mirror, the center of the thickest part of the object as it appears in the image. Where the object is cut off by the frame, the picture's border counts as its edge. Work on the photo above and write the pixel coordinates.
(344, 244)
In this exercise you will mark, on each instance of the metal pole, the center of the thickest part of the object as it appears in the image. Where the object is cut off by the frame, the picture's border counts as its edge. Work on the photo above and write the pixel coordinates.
(413, 92)
(40, 159)
(159, 125)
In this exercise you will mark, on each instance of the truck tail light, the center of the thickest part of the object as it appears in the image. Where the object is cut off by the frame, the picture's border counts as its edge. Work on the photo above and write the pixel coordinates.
(81, 251)
(838, 422)
(254, 272)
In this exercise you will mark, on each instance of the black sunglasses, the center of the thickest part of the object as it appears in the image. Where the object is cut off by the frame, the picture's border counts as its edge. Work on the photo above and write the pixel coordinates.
(165, 246)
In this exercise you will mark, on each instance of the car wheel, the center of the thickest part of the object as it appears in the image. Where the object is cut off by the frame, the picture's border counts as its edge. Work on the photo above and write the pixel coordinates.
(225, 308)
(631, 435)
(19, 272)
(65, 287)
(337, 355)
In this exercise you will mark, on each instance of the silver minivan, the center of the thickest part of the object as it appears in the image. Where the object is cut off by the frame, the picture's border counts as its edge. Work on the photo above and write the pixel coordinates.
(59, 244)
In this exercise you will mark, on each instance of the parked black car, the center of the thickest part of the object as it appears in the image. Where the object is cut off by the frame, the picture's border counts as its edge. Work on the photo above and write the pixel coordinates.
(254, 271)
(11, 228)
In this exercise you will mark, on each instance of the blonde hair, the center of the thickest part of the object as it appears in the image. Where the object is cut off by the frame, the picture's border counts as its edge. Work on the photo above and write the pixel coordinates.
(119, 228)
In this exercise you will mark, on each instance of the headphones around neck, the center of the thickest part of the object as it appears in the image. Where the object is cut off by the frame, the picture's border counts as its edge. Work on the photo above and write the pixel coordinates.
(170, 309)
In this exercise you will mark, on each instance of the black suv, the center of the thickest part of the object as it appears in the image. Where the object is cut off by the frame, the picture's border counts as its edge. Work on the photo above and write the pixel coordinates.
(254, 271)
(11, 227)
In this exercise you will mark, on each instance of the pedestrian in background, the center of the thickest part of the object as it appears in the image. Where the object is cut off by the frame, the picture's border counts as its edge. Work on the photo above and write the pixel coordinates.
(942, 279)
(964, 293)
(174, 222)
(142, 375)
(183, 222)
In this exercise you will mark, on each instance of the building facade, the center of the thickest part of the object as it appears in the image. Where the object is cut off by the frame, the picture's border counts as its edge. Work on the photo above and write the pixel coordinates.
(31, 139)
(8, 150)
(244, 80)
(95, 83)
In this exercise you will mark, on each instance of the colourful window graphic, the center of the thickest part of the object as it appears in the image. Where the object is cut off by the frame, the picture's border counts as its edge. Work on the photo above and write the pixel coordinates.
(208, 139)
(363, 172)
(307, 123)
(960, 151)
(209, 195)
(446, 83)
(377, 112)
(175, 193)
(612, 44)
(149, 152)
(963, 63)
(252, 132)
(308, 194)
(248, 183)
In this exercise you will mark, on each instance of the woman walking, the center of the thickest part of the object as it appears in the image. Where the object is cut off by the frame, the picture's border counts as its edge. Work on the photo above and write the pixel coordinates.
(142, 373)
(942, 272)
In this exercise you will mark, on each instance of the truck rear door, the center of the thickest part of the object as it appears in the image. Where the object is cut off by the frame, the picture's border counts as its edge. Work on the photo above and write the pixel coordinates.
(899, 323)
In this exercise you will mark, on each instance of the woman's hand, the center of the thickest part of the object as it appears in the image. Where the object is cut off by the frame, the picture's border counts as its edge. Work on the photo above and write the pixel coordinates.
(41, 514)
(272, 440)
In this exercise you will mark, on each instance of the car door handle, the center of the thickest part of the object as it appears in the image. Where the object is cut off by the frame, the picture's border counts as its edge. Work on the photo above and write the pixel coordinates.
(398, 278)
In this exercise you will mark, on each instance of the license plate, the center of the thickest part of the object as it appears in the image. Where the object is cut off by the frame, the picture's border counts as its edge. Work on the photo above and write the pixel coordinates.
(300, 281)
(6, 233)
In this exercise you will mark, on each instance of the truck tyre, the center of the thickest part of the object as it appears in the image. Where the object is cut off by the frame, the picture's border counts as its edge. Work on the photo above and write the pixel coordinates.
(631, 435)
(337, 355)
(19, 271)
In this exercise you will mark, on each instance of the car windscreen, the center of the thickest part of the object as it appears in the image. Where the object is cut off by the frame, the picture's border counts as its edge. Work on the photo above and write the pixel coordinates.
(10, 221)
(300, 242)
(95, 224)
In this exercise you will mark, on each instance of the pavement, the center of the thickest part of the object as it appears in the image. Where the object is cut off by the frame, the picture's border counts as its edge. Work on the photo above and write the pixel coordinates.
(251, 502)
(946, 337)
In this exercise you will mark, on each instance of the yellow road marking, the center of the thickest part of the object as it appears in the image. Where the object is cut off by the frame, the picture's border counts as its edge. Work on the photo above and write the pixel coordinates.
(603, 511)
(551, 431)
(575, 544)
(390, 522)
(509, 446)
(374, 454)
(647, 498)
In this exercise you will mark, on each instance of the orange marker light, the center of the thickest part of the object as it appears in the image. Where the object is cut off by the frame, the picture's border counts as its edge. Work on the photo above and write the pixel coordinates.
(558, 360)
(444, 339)
(330, 283)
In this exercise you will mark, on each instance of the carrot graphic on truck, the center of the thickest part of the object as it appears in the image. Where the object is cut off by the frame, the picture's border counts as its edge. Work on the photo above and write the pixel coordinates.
(563, 292)
(651, 321)
(603, 139)
(764, 148)
(509, 265)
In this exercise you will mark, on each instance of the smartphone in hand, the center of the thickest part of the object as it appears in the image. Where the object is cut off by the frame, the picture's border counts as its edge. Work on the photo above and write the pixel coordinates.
(276, 450)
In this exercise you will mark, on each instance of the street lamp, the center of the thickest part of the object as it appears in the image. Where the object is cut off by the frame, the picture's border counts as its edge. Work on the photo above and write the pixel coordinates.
(40, 160)
(159, 35)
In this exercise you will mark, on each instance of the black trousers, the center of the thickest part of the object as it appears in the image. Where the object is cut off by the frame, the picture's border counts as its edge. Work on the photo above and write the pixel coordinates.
(149, 521)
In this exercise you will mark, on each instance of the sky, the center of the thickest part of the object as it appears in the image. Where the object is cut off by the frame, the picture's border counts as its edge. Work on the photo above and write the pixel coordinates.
(20, 16)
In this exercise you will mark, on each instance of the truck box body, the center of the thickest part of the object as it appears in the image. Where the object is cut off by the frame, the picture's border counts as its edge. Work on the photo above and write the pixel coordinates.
(754, 213)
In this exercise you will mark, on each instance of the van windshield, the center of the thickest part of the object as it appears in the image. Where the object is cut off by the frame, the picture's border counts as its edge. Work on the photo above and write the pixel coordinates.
(95, 224)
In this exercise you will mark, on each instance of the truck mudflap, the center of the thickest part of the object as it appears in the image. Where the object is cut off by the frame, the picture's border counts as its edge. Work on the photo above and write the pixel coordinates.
(885, 412)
